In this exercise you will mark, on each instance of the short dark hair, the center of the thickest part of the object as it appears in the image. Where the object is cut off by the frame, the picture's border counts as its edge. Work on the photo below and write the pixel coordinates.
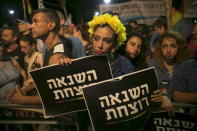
(29, 39)
(83, 28)
(14, 33)
(160, 23)
(133, 21)
(51, 15)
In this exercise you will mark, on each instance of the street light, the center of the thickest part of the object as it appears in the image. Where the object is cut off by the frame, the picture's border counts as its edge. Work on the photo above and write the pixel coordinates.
(107, 1)
(11, 12)
(96, 13)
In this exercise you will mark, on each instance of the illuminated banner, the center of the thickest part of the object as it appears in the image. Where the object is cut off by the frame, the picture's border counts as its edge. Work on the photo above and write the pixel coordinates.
(60, 87)
(121, 103)
(161, 121)
(148, 10)
(190, 8)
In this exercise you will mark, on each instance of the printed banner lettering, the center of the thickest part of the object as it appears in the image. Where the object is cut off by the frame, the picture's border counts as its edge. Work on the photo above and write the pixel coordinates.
(161, 121)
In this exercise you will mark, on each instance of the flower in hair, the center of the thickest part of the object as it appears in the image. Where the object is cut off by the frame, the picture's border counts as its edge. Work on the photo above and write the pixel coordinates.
(113, 21)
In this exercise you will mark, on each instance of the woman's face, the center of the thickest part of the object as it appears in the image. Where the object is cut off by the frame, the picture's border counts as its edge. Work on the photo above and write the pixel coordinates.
(26, 47)
(133, 47)
(103, 41)
(169, 48)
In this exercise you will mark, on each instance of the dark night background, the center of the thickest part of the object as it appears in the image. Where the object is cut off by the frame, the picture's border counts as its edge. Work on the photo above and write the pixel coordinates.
(81, 10)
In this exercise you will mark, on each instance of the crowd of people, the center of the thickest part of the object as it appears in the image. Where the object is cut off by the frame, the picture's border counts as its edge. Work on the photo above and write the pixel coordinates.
(129, 47)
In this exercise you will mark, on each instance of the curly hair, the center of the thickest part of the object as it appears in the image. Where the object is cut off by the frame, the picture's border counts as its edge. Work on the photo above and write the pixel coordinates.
(181, 55)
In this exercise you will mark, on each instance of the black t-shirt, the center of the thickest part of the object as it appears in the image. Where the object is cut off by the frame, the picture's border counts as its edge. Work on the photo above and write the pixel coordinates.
(60, 48)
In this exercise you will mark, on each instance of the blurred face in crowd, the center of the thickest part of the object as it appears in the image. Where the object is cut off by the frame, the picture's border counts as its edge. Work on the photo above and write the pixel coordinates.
(40, 25)
(159, 30)
(23, 27)
(26, 47)
(169, 48)
(133, 46)
(76, 33)
(194, 32)
(103, 41)
(1, 49)
(7, 35)
(133, 25)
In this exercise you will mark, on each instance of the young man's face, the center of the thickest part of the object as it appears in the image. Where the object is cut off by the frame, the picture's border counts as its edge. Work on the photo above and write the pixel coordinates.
(169, 48)
(103, 40)
(40, 25)
(7, 35)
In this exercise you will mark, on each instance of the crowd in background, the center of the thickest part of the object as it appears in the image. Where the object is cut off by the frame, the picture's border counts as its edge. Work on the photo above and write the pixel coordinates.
(24, 49)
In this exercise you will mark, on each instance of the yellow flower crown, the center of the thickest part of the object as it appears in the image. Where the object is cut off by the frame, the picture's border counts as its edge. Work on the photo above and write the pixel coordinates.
(113, 21)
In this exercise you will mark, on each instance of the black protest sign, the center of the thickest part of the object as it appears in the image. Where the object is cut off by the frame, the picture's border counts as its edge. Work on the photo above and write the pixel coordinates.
(121, 103)
(161, 121)
(60, 87)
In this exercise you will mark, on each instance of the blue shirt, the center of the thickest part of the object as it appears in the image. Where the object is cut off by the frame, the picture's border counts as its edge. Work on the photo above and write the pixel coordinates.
(77, 47)
(121, 66)
(163, 76)
(185, 79)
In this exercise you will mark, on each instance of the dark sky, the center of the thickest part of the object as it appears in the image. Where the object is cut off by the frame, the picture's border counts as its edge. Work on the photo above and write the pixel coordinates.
(81, 10)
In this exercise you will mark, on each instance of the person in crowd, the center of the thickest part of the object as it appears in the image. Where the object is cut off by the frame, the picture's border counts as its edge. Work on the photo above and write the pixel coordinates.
(192, 46)
(81, 31)
(135, 50)
(184, 82)
(133, 23)
(76, 46)
(23, 27)
(105, 37)
(9, 37)
(170, 52)
(45, 26)
(159, 28)
(9, 72)
(8, 34)
(33, 60)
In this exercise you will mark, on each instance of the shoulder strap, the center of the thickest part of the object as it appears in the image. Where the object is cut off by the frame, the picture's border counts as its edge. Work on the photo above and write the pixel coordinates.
(33, 59)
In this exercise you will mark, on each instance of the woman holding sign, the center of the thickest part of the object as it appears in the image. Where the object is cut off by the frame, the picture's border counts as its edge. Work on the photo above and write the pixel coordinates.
(107, 33)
